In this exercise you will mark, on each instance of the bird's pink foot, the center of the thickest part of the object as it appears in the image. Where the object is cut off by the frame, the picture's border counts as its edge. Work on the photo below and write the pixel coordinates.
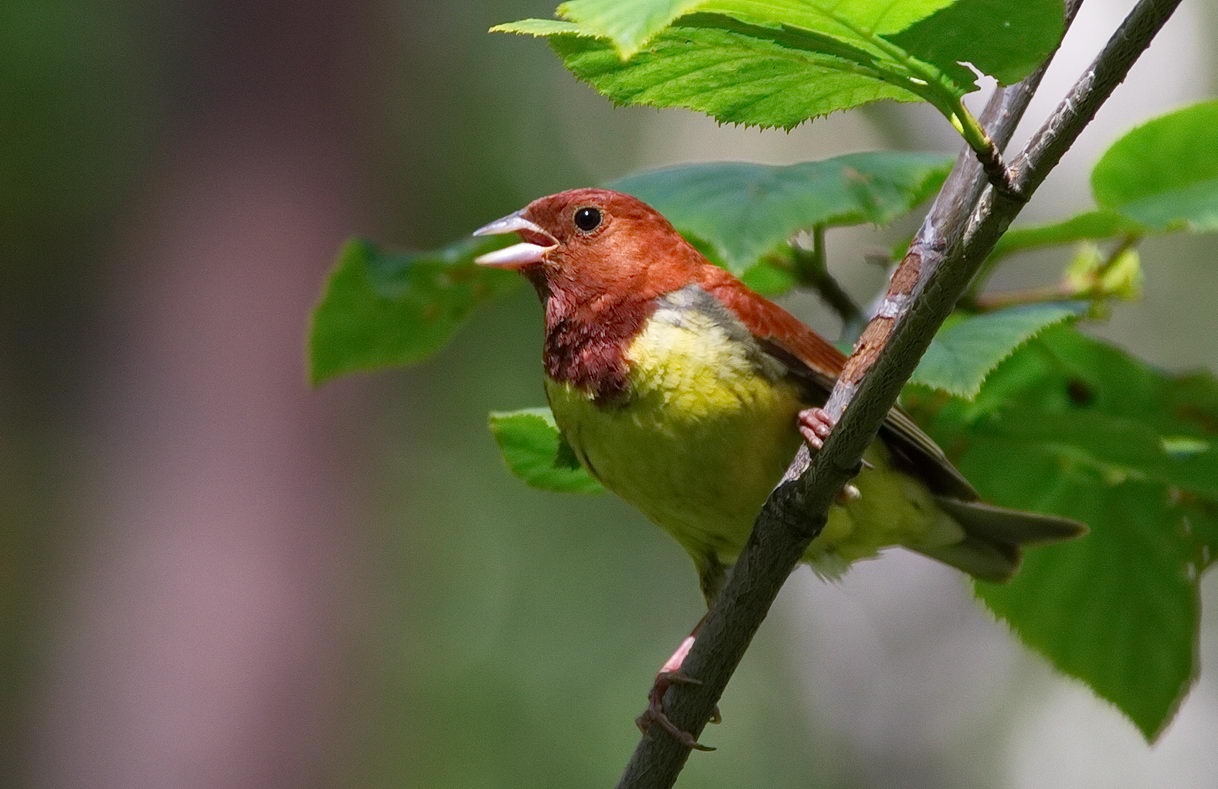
(670, 674)
(654, 714)
(814, 425)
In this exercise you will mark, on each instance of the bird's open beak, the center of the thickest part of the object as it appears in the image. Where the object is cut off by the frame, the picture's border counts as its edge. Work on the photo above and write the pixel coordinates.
(536, 244)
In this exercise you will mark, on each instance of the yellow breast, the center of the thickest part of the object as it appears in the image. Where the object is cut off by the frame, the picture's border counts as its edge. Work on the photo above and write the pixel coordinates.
(706, 428)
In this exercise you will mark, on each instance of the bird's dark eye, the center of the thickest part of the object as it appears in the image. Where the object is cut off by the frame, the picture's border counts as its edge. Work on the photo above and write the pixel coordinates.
(587, 219)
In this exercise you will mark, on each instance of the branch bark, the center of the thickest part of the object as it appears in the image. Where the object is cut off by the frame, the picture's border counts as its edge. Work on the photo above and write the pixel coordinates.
(961, 228)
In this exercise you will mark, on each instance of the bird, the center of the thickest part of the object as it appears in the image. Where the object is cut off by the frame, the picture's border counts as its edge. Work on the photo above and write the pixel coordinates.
(686, 393)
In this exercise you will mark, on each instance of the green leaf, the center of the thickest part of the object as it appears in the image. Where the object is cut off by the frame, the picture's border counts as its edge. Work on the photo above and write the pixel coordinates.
(745, 210)
(769, 279)
(732, 77)
(1193, 400)
(1164, 173)
(754, 62)
(962, 355)
(381, 308)
(1093, 225)
(542, 28)
(781, 62)
(1115, 447)
(535, 451)
(1074, 426)
(998, 37)
(1117, 608)
(631, 24)
(856, 20)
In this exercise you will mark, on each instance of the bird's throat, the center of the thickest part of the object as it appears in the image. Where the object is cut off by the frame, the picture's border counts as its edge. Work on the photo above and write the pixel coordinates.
(586, 341)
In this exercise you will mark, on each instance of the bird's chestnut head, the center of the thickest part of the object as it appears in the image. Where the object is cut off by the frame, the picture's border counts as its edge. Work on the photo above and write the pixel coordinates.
(591, 240)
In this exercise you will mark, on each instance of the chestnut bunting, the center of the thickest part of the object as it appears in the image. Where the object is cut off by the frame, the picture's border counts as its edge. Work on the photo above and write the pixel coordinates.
(686, 393)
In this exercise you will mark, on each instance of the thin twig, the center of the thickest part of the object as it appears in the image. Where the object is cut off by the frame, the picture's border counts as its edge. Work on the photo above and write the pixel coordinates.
(953, 242)
(812, 270)
(991, 302)
(1088, 285)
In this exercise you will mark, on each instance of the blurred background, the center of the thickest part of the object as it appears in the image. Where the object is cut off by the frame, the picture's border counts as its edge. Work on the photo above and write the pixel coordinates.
(211, 575)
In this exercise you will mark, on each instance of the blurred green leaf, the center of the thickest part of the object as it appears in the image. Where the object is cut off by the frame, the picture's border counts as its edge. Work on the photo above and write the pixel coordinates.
(535, 451)
(1073, 426)
(769, 279)
(745, 210)
(963, 354)
(1003, 39)
(1193, 400)
(388, 308)
(1093, 225)
(1164, 173)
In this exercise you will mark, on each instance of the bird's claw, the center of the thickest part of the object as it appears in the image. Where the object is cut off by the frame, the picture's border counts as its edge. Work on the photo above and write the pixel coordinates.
(815, 424)
(654, 714)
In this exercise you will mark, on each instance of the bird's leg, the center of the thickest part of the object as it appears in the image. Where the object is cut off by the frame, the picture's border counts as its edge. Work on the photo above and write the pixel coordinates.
(815, 425)
(671, 674)
(711, 575)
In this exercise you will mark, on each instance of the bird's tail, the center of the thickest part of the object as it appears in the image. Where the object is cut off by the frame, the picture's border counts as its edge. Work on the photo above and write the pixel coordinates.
(994, 537)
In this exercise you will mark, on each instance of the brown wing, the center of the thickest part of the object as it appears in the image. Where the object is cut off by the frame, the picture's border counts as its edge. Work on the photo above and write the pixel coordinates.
(816, 364)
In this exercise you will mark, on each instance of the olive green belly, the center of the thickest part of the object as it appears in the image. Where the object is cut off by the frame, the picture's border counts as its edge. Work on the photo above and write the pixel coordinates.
(701, 476)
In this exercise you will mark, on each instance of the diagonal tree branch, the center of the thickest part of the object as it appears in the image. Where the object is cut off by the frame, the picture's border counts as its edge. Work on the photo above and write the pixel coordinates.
(961, 228)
